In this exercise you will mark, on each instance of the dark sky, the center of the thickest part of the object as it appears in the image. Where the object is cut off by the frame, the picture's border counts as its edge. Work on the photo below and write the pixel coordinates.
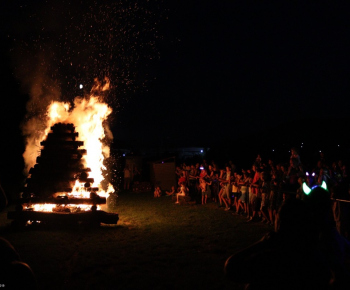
(188, 71)
(241, 67)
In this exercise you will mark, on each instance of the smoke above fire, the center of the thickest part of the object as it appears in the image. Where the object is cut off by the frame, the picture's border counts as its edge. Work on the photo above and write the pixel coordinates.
(62, 49)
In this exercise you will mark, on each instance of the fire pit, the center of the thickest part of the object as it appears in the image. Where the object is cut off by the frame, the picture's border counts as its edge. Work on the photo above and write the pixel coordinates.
(59, 188)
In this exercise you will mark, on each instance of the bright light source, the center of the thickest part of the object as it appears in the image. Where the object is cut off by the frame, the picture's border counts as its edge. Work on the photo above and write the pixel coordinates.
(273, 150)
(320, 151)
(201, 150)
(123, 154)
(81, 86)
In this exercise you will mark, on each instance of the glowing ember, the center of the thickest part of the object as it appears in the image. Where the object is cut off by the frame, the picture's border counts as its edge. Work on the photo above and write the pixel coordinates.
(60, 208)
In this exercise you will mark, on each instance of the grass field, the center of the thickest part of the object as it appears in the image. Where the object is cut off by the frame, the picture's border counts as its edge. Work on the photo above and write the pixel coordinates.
(155, 245)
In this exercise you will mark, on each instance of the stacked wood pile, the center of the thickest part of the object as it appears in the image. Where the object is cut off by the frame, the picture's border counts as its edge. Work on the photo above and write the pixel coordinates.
(51, 180)
(59, 164)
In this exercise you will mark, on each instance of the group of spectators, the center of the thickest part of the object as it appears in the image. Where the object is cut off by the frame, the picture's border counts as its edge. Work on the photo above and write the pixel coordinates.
(309, 246)
(259, 192)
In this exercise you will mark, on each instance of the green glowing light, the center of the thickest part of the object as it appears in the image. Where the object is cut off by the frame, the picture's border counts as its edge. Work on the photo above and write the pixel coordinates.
(306, 189)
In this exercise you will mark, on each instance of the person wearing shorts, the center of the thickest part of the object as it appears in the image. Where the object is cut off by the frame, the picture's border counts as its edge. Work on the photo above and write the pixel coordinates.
(225, 196)
(256, 199)
(205, 189)
(242, 201)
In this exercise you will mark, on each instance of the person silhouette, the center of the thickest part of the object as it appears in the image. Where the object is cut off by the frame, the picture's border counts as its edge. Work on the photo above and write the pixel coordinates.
(14, 273)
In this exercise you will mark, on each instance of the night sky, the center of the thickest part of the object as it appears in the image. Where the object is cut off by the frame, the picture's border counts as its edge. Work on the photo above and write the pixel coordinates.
(182, 72)
(240, 68)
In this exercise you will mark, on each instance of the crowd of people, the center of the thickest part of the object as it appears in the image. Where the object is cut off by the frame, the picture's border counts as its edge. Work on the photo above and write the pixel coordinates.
(309, 246)
(259, 192)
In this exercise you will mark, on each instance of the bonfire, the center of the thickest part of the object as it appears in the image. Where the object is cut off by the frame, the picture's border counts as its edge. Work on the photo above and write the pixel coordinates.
(65, 178)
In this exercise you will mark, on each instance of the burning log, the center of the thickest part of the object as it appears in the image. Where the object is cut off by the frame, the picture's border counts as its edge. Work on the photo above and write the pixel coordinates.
(64, 200)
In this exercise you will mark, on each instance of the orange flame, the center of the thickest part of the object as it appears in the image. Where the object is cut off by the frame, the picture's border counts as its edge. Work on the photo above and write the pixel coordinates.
(88, 116)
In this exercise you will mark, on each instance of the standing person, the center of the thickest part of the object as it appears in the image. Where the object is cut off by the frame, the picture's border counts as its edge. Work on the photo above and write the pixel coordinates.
(265, 197)
(211, 178)
(215, 188)
(197, 169)
(235, 185)
(250, 196)
(242, 202)
(272, 207)
(127, 177)
(225, 195)
(203, 175)
(210, 171)
(205, 189)
(256, 196)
